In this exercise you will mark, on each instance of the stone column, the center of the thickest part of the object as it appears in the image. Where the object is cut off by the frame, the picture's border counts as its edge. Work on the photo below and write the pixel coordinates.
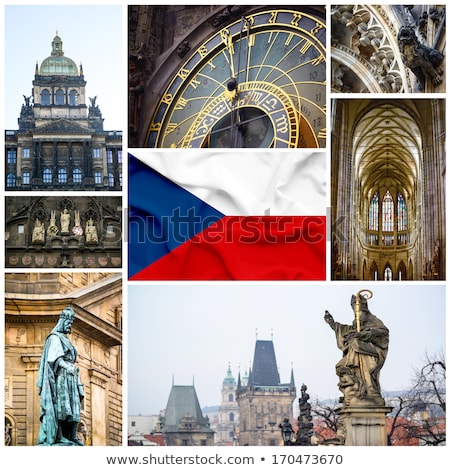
(364, 425)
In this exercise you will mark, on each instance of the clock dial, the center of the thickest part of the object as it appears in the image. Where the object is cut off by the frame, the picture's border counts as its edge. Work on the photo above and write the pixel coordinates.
(259, 82)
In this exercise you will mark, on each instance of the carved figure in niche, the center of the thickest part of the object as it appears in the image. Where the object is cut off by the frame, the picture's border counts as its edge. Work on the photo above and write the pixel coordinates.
(38, 236)
(364, 345)
(435, 263)
(60, 389)
(65, 221)
(421, 59)
(52, 229)
(91, 233)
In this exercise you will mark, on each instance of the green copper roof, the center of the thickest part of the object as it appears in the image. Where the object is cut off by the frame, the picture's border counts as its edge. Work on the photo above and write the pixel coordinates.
(57, 63)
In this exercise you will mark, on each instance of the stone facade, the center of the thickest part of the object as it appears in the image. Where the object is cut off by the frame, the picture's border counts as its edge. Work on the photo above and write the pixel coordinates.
(63, 232)
(61, 143)
(33, 304)
(264, 402)
(388, 48)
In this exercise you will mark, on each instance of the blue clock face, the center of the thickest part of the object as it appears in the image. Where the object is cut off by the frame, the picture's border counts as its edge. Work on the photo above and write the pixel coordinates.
(259, 82)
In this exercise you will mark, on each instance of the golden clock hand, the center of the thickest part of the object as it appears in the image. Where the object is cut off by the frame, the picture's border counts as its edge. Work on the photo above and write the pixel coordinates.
(228, 41)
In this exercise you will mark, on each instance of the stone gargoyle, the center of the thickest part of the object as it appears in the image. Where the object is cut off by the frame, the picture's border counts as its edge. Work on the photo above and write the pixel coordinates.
(421, 59)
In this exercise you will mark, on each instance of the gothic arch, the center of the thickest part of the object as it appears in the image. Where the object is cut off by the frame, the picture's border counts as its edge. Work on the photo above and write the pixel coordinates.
(373, 271)
(365, 54)
(388, 150)
(368, 48)
(401, 272)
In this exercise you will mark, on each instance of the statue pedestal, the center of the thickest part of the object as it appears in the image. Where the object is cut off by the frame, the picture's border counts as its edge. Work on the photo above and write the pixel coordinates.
(364, 424)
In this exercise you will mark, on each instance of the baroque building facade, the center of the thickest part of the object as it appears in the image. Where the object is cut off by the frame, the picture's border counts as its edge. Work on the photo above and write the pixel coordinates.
(388, 169)
(264, 402)
(227, 76)
(388, 48)
(61, 143)
(63, 232)
(228, 417)
(33, 303)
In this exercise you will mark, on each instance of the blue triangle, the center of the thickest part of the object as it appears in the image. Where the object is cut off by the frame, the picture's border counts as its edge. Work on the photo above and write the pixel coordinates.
(162, 215)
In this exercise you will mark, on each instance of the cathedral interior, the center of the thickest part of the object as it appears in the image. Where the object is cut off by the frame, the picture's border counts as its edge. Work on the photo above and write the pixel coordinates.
(388, 189)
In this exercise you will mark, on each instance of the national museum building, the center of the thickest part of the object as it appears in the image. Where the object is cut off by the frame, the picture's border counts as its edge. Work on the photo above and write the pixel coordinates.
(208, 76)
(61, 143)
(33, 304)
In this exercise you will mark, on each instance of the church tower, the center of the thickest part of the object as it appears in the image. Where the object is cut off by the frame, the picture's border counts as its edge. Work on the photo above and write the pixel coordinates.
(264, 402)
(228, 411)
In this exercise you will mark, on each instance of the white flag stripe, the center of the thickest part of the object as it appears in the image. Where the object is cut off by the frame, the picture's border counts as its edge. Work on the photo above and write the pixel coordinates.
(247, 183)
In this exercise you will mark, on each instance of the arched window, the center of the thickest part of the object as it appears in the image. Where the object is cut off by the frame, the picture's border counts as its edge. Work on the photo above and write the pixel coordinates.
(231, 416)
(47, 176)
(401, 213)
(45, 98)
(230, 397)
(373, 212)
(11, 180)
(62, 176)
(59, 97)
(387, 210)
(388, 274)
(77, 176)
(73, 98)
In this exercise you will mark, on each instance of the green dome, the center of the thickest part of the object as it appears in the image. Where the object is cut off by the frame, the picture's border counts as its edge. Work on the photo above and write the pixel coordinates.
(57, 63)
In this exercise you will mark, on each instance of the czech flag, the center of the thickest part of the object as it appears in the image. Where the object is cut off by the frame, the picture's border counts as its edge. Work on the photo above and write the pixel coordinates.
(226, 215)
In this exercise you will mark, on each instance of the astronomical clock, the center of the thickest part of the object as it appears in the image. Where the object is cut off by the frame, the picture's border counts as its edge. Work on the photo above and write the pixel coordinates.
(257, 81)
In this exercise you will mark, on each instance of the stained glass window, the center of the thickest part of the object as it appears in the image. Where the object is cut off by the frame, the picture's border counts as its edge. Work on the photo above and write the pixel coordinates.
(388, 213)
(373, 213)
(401, 212)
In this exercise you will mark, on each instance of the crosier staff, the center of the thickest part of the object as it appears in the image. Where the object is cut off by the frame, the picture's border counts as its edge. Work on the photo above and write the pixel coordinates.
(367, 294)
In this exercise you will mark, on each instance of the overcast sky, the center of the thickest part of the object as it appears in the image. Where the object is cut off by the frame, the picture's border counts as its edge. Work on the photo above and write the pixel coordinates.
(91, 35)
(191, 332)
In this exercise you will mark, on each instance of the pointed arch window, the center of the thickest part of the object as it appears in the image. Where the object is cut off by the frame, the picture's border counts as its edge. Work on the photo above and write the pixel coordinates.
(401, 213)
(387, 210)
(373, 212)
(388, 274)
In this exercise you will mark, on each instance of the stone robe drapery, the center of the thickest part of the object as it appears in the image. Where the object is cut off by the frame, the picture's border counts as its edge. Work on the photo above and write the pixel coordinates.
(364, 353)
